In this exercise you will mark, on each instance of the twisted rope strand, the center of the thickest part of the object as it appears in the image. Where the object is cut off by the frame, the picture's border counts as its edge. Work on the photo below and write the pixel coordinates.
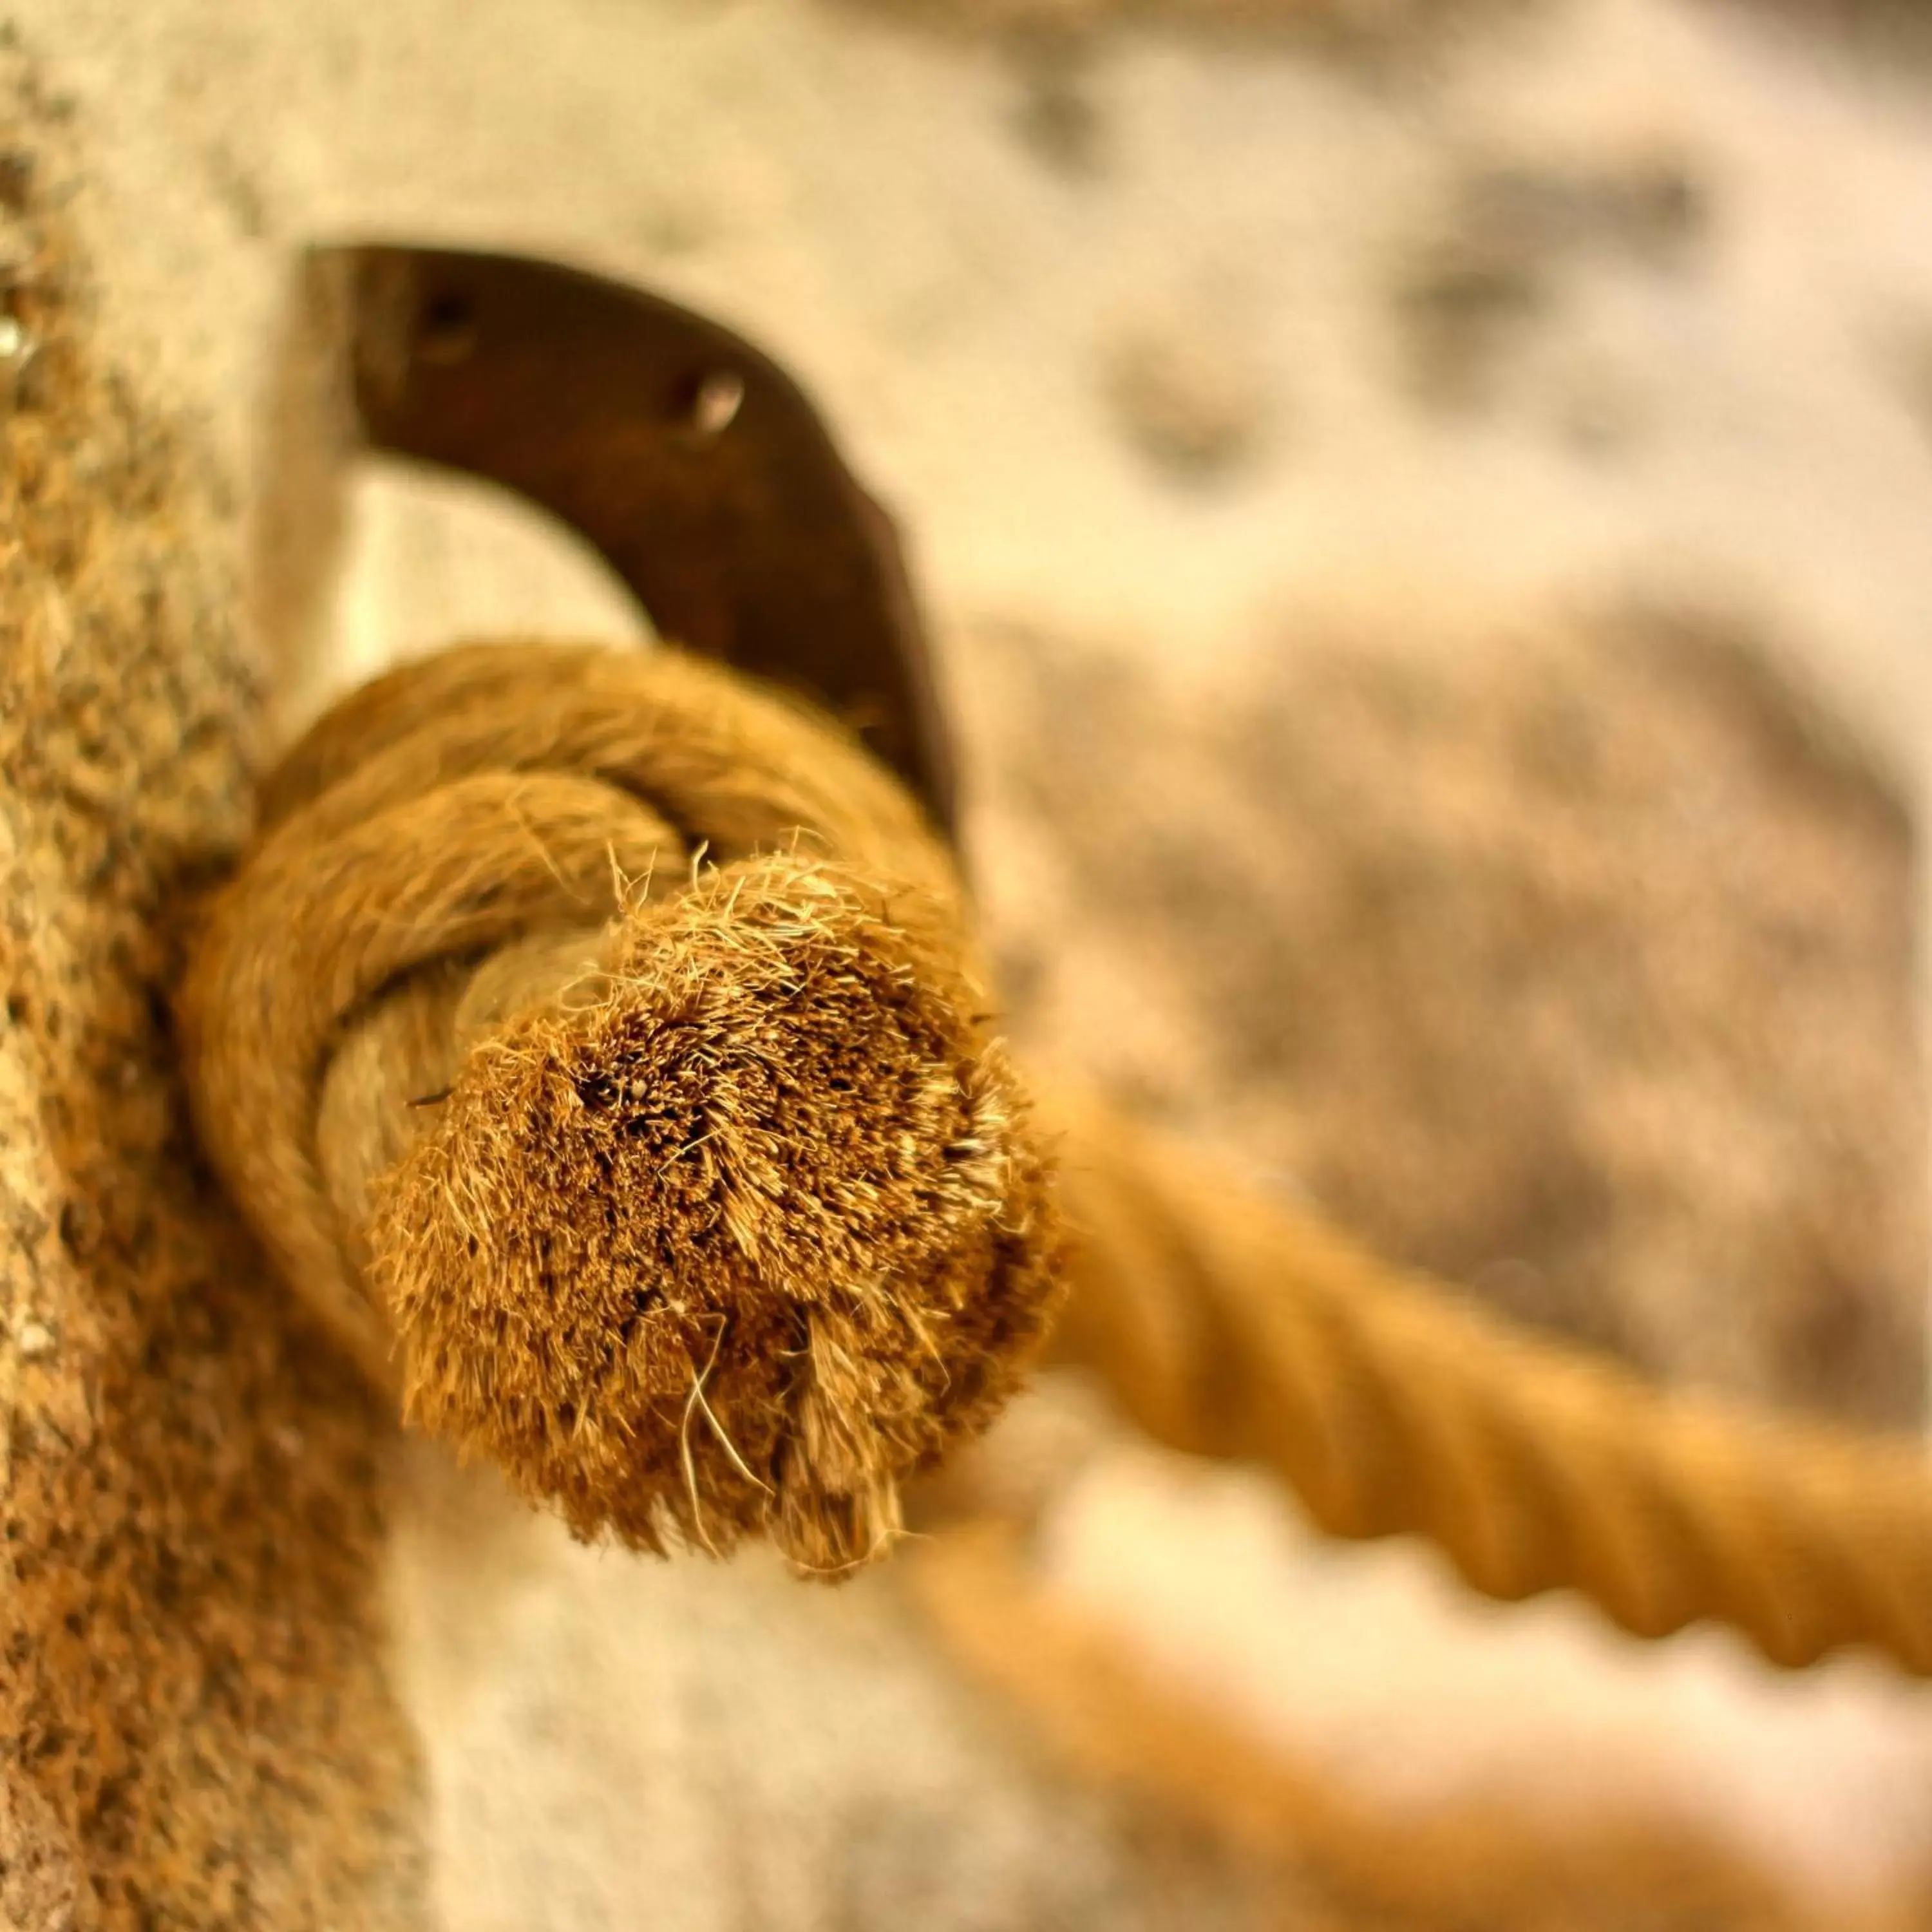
(1233, 1326)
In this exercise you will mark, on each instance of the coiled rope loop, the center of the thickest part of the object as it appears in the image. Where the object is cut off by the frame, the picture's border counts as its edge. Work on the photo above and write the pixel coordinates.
(594, 1042)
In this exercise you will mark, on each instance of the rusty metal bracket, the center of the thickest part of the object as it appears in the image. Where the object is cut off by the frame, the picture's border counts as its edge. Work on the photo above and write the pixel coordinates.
(687, 458)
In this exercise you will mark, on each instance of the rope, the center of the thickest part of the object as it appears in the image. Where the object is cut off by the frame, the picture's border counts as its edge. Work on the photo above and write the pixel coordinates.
(594, 1040)
(1230, 1326)
(1476, 1861)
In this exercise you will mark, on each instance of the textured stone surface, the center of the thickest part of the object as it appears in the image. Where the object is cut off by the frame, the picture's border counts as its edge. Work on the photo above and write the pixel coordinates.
(197, 1728)
(1575, 965)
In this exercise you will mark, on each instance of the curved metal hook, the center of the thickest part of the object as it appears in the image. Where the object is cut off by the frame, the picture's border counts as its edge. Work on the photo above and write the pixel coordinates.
(696, 466)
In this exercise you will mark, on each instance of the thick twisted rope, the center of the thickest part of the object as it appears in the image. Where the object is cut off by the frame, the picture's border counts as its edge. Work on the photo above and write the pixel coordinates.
(594, 1040)
(1230, 1325)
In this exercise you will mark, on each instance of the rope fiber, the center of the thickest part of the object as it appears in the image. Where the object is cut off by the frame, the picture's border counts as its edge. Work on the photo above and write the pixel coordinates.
(594, 1040)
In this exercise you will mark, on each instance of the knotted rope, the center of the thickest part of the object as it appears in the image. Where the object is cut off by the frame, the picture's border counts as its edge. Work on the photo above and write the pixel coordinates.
(594, 1040)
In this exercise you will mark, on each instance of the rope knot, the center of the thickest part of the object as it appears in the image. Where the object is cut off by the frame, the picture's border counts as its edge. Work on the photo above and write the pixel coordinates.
(596, 1041)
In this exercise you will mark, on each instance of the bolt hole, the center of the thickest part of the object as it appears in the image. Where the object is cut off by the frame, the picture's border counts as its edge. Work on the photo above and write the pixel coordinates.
(446, 328)
(716, 397)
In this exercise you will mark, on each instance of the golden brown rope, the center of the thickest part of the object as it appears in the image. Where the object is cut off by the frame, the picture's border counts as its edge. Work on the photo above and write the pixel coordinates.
(1230, 1325)
(594, 1041)
(1475, 1862)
